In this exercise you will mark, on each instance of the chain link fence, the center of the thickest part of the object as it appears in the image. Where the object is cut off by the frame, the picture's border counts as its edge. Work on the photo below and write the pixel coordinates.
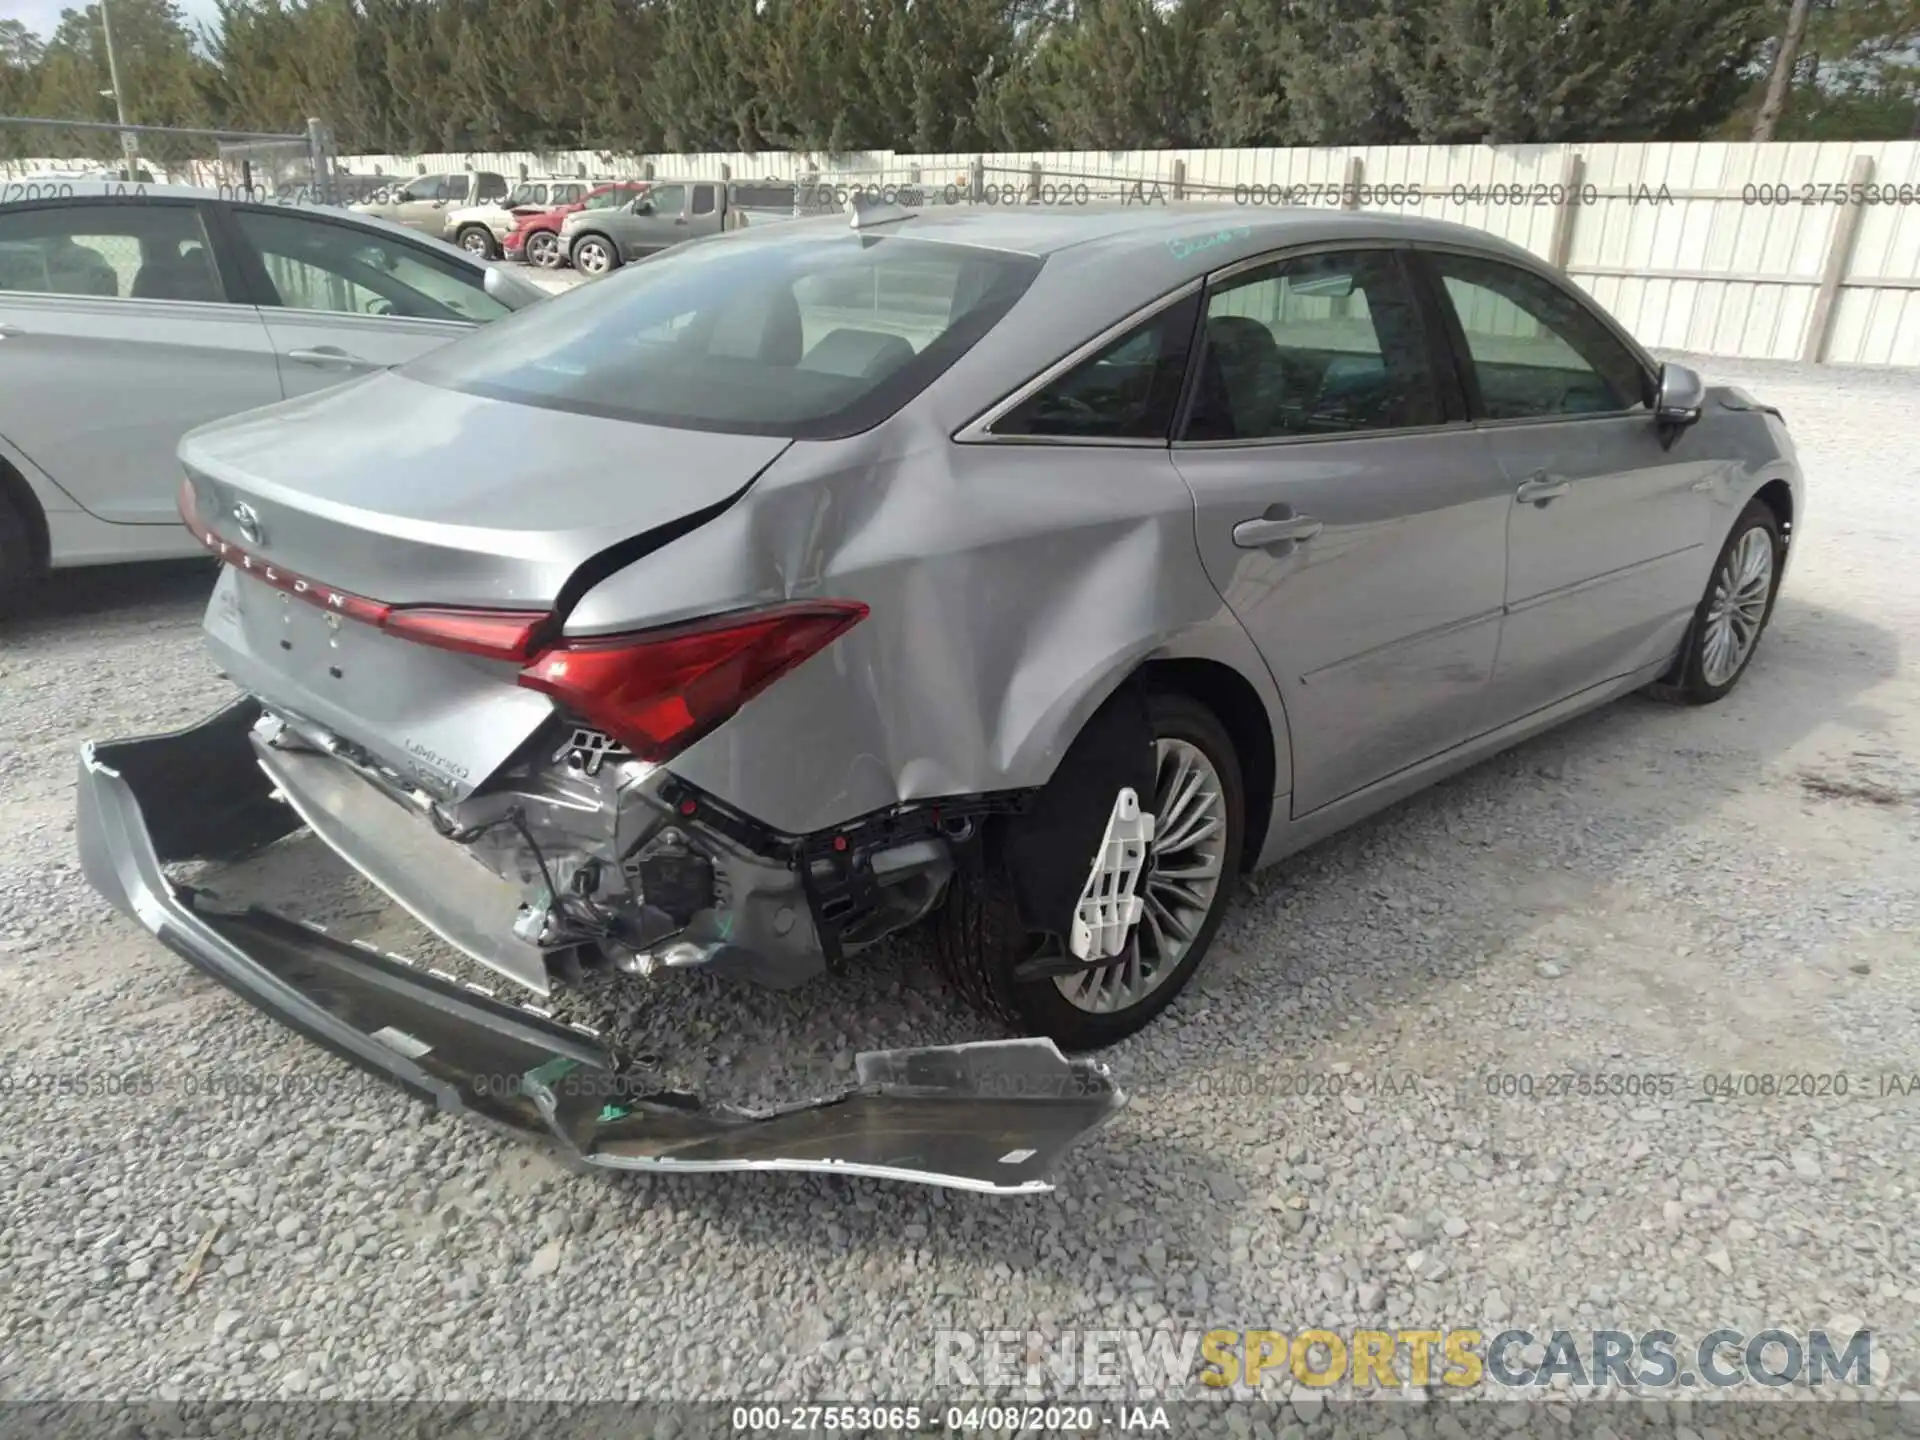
(39, 154)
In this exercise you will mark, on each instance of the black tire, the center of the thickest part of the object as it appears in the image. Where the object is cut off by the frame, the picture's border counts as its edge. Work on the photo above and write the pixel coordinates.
(1687, 683)
(979, 938)
(478, 240)
(18, 567)
(586, 244)
(543, 249)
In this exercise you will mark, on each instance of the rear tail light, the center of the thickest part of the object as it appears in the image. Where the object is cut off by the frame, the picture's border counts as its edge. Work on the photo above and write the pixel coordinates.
(657, 691)
(661, 690)
(494, 634)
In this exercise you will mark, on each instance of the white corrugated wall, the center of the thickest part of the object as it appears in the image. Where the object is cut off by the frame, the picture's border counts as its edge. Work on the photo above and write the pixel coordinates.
(1671, 238)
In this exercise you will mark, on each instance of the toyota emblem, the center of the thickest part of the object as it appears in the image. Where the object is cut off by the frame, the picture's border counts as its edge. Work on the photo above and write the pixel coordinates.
(248, 522)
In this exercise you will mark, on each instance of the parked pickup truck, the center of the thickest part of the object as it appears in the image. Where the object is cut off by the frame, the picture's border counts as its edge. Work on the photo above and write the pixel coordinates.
(423, 203)
(669, 213)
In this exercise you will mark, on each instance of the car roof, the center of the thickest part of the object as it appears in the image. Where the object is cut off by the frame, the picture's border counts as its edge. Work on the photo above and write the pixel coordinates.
(1046, 230)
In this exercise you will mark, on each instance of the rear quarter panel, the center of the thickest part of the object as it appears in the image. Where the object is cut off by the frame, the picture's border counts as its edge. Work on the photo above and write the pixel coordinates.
(1012, 589)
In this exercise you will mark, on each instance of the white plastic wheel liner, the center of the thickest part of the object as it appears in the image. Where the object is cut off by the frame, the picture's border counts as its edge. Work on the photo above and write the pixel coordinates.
(1108, 908)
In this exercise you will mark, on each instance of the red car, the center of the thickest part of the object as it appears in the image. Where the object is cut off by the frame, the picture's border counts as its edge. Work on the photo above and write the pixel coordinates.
(536, 239)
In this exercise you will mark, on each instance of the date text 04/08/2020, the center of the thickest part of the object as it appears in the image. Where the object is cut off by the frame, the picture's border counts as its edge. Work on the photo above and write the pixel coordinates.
(1713, 1085)
(996, 1419)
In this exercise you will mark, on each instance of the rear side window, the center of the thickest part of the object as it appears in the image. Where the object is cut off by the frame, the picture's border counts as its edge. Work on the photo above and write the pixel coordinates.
(136, 250)
(702, 200)
(764, 196)
(1326, 344)
(1128, 391)
(1536, 350)
(491, 186)
(810, 338)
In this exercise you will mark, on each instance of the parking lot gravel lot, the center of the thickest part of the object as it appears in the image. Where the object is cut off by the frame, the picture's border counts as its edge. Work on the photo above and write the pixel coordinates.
(1646, 892)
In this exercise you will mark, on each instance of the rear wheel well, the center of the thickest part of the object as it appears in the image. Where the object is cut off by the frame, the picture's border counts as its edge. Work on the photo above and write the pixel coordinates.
(1777, 496)
(18, 495)
(1227, 694)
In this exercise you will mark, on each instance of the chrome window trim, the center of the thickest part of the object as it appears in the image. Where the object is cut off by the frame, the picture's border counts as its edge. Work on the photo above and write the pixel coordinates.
(979, 430)
(1264, 442)
(1570, 417)
(272, 312)
(1228, 273)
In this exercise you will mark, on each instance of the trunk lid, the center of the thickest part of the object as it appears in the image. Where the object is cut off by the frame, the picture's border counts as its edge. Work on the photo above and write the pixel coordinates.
(414, 494)
(405, 494)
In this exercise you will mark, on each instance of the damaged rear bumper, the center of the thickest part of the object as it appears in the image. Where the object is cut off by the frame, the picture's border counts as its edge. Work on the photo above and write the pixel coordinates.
(993, 1116)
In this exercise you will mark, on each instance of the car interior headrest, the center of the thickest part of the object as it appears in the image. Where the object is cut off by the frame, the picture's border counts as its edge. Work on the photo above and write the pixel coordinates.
(867, 354)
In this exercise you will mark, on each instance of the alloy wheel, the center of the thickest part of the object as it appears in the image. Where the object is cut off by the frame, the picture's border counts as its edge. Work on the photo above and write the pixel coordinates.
(543, 249)
(1737, 608)
(1180, 885)
(591, 257)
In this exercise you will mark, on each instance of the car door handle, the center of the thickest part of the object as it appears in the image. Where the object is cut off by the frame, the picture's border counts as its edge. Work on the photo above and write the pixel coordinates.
(325, 356)
(8, 332)
(1256, 534)
(1541, 488)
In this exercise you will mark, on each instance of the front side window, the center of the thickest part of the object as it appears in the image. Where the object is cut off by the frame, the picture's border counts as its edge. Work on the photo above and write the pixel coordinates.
(427, 187)
(138, 250)
(1128, 391)
(668, 199)
(1325, 344)
(1536, 350)
(313, 264)
(809, 338)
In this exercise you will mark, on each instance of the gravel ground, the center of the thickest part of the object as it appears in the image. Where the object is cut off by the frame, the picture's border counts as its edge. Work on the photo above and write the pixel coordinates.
(1646, 891)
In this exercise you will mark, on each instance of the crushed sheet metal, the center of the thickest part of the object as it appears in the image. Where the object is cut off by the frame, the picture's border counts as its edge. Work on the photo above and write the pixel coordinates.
(992, 1116)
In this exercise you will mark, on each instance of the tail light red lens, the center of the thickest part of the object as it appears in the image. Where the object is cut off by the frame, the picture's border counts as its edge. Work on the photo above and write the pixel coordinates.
(659, 691)
(495, 634)
(189, 506)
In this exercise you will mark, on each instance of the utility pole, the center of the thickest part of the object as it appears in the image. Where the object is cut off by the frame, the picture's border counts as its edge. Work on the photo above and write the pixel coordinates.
(129, 146)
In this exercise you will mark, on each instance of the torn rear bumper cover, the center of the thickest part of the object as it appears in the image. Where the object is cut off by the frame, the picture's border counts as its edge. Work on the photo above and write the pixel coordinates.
(992, 1116)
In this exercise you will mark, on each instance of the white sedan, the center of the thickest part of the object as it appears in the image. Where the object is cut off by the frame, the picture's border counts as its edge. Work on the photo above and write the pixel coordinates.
(131, 313)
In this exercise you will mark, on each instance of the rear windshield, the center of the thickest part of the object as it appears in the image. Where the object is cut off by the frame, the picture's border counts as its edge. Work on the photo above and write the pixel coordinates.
(811, 336)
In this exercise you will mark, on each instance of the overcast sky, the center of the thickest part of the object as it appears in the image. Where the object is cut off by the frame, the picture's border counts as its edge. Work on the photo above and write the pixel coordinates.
(41, 16)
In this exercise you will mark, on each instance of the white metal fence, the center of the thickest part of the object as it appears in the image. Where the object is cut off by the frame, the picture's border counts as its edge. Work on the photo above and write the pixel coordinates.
(1783, 251)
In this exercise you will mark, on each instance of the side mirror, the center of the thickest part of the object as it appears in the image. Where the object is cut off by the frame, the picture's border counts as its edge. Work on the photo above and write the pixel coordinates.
(509, 289)
(1683, 394)
(643, 206)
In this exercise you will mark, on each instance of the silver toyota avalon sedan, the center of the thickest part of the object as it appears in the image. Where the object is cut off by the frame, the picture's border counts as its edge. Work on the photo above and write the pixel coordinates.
(1032, 576)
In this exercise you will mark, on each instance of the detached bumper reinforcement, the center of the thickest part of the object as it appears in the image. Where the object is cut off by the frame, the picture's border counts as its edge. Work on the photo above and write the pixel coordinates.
(993, 1116)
